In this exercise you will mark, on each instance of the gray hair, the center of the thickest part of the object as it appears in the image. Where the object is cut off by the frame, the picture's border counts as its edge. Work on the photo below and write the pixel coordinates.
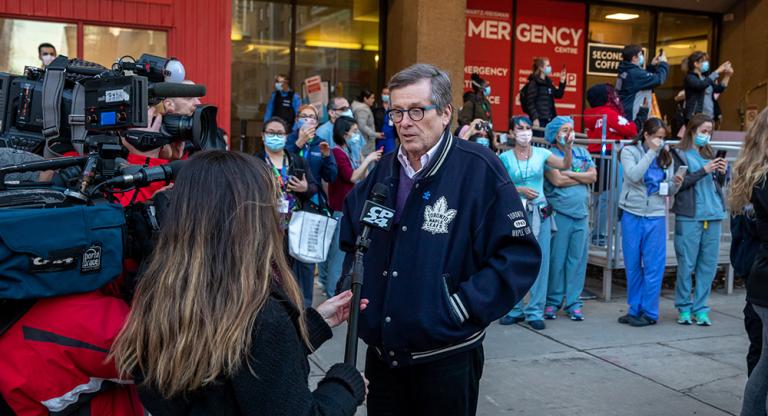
(439, 81)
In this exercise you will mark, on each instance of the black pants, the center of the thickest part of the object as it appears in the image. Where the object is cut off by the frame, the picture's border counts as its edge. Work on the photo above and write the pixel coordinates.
(447, 387)
(754, 328)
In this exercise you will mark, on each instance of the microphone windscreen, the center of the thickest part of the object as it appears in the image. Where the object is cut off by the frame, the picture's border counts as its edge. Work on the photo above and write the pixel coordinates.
(176, 89)
(379, 193)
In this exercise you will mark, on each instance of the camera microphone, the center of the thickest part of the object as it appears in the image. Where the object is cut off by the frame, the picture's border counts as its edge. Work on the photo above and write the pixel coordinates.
(176, 89)
(166, 172)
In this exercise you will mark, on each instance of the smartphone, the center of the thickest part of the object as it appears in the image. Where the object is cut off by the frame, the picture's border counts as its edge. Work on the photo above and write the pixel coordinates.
(720, 154)
(661, 51)
(681, 171)
(299, 173)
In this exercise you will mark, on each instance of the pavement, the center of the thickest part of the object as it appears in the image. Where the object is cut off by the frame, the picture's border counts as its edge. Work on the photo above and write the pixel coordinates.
(600, 367)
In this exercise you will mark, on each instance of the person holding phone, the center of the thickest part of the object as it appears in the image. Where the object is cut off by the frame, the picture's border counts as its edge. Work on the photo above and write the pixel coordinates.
(305, 142)
(296, 185)
(635, 83)
(540, 92)
(702, 84)
(648, 182)
(699, 212)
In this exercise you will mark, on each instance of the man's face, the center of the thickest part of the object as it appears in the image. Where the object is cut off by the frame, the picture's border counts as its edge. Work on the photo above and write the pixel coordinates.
(47, 55)
(417, 137)
(182, 106)
(340, 105)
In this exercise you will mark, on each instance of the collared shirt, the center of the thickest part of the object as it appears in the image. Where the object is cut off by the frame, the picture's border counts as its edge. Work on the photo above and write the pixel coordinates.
(425, 158)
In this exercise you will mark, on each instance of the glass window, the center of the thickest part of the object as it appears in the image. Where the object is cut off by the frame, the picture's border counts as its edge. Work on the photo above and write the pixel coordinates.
(105, 45)
(335, 39)
(19, 40)
(616, 26)
(679, 35)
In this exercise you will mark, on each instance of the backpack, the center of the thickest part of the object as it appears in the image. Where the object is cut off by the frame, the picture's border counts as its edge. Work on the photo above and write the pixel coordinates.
(523, 95)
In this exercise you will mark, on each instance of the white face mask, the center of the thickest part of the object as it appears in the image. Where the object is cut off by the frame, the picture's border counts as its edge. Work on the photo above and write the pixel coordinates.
(47, 59)
(523, 137)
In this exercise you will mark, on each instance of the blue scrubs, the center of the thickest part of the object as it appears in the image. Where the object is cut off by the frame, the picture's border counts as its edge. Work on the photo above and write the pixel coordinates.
(644, 243)
(697, 242)
(569, 249)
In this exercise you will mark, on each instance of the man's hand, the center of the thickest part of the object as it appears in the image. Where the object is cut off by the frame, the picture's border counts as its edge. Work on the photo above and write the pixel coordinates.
(325, 149)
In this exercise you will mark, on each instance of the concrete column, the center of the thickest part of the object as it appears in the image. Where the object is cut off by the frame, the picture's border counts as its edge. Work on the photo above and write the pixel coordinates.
(427, 31)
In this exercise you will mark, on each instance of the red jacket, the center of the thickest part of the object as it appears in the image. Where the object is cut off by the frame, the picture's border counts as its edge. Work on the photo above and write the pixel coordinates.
(619, 128)
(55, 355)
(338, 189)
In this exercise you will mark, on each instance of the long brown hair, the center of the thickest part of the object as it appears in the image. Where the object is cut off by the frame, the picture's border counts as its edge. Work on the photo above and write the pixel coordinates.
(650, 127)
(215, 264)
(751, 166)
(686, 143)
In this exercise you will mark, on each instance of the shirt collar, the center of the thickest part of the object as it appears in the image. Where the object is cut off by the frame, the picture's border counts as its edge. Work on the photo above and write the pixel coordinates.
(403, 158)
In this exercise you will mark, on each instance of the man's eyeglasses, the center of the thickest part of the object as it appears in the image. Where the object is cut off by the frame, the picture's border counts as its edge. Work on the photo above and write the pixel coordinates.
(341, 109)
(415, 113)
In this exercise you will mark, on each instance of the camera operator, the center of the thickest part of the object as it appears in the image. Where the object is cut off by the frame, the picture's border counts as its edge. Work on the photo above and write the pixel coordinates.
(47, 53)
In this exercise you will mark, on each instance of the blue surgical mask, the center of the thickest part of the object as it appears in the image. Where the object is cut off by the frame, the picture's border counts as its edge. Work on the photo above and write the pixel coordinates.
(347, 113)
(274, 142)
(385, 98)
(278, 86)
(487, 91)
(705, 66)
(701, 139)
(483, 141)
(641, 59)
(355, 140)
(561, 139)
(548, 70)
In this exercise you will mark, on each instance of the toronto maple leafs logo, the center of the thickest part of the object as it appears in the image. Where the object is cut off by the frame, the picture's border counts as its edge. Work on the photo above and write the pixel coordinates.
(437, 217)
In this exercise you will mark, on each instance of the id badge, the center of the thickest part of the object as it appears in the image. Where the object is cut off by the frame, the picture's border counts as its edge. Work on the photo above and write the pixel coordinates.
(284, 206)
(663, 189)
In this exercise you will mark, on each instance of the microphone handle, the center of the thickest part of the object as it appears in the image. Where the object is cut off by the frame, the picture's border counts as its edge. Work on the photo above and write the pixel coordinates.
(350, 352)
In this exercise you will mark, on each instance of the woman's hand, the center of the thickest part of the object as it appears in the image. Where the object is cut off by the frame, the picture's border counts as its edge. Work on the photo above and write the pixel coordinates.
(712, 165)
(527, 192)
(305, 135)
(374, 156)
(297, 185)
(569, 141)
(722, 166)
(678, 180)
(336, 309)
(325, 149)
(655, 144)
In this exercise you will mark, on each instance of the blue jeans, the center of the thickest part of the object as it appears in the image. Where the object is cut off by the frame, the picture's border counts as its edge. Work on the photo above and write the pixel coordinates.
(697, 251)
(331, 268)
(305, 277)
(644, 242)
(568, 262)
(534, 311)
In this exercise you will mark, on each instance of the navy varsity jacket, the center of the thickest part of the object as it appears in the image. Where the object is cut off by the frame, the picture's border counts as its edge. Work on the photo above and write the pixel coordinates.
(461, 256)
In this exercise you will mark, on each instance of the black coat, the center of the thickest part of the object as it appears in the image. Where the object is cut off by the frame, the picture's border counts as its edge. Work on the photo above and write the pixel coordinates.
(540, 97)
(279, 386)
(757, 284)
(695, 90)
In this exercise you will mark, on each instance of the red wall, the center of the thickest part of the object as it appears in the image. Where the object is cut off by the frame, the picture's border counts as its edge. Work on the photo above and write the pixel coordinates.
(198, 32)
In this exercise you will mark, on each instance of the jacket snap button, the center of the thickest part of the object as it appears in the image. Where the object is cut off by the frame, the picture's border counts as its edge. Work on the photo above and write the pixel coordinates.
(387, 319)
(391, 353)
(394, 363)
(385, 273)
(405, 228)
(394, 274)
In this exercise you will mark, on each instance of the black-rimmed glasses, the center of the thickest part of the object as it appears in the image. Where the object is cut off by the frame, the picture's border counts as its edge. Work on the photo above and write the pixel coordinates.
(415, 113)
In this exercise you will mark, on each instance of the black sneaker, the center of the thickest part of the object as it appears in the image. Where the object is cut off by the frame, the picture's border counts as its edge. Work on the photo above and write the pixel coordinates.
(537, 324)
(640, 321)
(510, 320)
(624, 319)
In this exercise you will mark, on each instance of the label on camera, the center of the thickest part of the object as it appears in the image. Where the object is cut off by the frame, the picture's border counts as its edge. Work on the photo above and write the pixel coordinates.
(663, 189)
(116, 96)
(91, 261)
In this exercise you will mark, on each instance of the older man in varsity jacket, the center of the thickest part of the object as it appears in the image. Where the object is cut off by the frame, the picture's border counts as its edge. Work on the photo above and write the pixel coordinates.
(460, 255)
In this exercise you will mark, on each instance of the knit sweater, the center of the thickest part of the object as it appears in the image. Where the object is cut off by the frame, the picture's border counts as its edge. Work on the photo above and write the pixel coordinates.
(278, 384)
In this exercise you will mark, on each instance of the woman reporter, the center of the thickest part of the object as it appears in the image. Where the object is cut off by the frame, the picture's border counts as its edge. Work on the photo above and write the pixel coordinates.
(215, 327)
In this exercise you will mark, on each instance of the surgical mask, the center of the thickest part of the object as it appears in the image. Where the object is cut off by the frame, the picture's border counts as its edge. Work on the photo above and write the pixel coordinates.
(701, 139)
(385, 98)
(347, 113)
(274, 142)
(487, 91)
(523, 137)
(355, 139)
(705, 66)
(278, 86)
(47, 59)
(641, 59)
(483, 141)
(548, 70)
(561, 139)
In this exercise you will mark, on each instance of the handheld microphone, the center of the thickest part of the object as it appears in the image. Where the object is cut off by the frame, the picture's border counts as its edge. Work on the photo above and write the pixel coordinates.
(166, 172)
(374, 213)
(176, 89)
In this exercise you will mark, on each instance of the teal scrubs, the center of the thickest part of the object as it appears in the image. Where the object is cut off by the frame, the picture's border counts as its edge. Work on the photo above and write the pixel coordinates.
(569, 248)
(530, 173)
(697, 241)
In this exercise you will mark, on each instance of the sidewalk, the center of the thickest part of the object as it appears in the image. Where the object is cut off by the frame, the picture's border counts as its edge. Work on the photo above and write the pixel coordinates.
(600, 367)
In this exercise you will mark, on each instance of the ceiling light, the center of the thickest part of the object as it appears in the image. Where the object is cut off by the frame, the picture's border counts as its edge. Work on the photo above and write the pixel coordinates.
(334, 45)
(622, 16)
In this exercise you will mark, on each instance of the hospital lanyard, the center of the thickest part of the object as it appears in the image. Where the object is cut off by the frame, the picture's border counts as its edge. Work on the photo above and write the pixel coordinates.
(524, 176)
(281, 175)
